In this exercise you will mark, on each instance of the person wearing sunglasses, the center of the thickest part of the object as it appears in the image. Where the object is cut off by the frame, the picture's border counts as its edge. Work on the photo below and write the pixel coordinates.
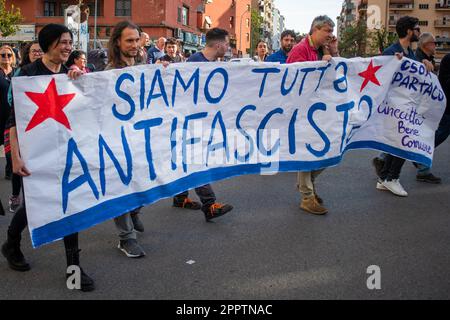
(77, 61)
(29, 53)
(387, 166)
(7, 65)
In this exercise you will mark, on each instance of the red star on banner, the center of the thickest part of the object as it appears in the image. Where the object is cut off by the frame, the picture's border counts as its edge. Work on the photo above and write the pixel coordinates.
(50, 105)
(369, 75)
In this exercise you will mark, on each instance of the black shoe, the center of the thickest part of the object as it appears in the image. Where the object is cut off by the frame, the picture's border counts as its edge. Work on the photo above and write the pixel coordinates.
(16, 260)
(131, 248)
(86, 283)
(430, 178)
(73, 259)
(187, 203)
(216, 210)
(137, 223)
(378, 165)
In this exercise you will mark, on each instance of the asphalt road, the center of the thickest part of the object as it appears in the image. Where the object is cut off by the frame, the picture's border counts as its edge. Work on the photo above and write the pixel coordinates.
(266, 248)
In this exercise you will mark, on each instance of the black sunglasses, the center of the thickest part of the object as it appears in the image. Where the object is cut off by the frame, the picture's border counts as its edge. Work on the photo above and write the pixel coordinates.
(417, 28)
(4, 55)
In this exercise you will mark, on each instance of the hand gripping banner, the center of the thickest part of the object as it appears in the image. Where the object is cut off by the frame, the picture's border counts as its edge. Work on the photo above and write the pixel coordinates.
(112, 141)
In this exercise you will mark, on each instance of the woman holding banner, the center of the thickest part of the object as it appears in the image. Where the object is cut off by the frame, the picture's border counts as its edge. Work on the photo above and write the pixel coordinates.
(56, 42)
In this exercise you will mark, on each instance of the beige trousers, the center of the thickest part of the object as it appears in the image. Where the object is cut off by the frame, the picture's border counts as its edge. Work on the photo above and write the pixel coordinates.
(306, 182)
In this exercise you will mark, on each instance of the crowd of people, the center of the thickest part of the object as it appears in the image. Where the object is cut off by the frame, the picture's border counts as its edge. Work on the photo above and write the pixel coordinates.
(53, 54)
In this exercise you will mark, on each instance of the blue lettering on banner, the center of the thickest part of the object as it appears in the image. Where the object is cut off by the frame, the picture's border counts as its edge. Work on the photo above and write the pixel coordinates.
(266, 72)
(208, 96)
(245, 157)
(157, 78)
(194, 79)
(125, 96)
(102, 147)
(342, 79)
(68, 187)
(318, 153)
(285, 91)
(291, 133)
(173, 143)
(223, 145)
(191, 141)
(146, 125)
(346, 107)
(260, 132)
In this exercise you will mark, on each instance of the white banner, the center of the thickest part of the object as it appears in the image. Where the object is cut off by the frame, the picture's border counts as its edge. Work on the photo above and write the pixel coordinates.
(112, 141)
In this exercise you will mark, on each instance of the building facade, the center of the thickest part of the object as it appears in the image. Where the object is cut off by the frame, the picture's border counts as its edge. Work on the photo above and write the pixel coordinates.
(348, 16)
(233, 16)
(168, 18)
(278, 28)
(433, 15)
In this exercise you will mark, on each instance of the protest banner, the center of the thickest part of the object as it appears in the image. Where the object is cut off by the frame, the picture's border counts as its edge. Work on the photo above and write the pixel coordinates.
(112, 141)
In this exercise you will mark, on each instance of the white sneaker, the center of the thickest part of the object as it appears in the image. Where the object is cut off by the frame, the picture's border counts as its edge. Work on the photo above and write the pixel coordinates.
(380, 185)
(395, 187)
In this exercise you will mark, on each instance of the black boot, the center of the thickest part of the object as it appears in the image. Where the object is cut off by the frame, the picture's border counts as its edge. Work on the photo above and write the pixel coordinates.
(73, 258)
(11, 251)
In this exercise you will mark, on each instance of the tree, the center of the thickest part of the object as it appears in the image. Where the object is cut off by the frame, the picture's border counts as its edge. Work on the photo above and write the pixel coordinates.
(381, 39)
(9, 20)
(354, 40)
(257, 21)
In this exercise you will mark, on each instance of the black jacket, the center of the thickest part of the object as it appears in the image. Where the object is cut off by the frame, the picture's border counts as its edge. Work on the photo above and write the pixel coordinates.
(444, 79)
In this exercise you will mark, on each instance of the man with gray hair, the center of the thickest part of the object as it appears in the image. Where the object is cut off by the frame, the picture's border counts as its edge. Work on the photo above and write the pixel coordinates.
(426, 49)
(320, 44)
(157, 52)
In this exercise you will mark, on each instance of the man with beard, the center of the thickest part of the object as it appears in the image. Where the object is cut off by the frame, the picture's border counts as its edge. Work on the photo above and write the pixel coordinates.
(123, 48)
(287, 43)
(387, 166)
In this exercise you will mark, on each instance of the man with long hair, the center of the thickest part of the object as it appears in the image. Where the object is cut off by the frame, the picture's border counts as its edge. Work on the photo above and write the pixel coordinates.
(123, 48)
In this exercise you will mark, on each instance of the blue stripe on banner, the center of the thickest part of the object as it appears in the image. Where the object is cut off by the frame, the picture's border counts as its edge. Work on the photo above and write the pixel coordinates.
(115, 207)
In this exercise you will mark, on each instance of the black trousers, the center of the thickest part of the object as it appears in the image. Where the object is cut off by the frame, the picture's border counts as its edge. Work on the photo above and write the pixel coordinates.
(205, 193)
(392, 167)
(19, 223)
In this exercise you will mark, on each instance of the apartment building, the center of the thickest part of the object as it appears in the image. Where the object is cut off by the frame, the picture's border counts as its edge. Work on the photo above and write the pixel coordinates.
(168, 18)
(433, 15)
(233, 16)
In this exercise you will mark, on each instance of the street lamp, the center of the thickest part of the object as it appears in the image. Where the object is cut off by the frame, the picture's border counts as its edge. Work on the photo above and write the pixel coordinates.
(240, 31)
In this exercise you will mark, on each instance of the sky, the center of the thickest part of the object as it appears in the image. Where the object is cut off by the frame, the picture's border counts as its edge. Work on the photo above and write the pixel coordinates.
(300, 13)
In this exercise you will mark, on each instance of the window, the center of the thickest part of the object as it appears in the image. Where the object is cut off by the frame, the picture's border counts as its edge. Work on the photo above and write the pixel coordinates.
(248, 37)
(423, 23)
(49, 9)
(179, 15)
(231, 22)
(63, 7)
(248, 22)
(91, 6)
(123, 8)
(185, 16)
(423, 6)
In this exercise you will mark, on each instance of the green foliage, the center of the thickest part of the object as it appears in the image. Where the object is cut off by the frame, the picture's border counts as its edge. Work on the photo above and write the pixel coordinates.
(381, 39)
(256, 26)
(9, 20)
(354, 40)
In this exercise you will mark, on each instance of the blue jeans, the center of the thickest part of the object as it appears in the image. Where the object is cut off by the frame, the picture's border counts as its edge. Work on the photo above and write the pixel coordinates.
(442, 133)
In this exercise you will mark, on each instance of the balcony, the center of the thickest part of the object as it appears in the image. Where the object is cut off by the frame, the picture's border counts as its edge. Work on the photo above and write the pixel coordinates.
(442, 7)
(442, 23)
(401, 7)
(393, 22)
